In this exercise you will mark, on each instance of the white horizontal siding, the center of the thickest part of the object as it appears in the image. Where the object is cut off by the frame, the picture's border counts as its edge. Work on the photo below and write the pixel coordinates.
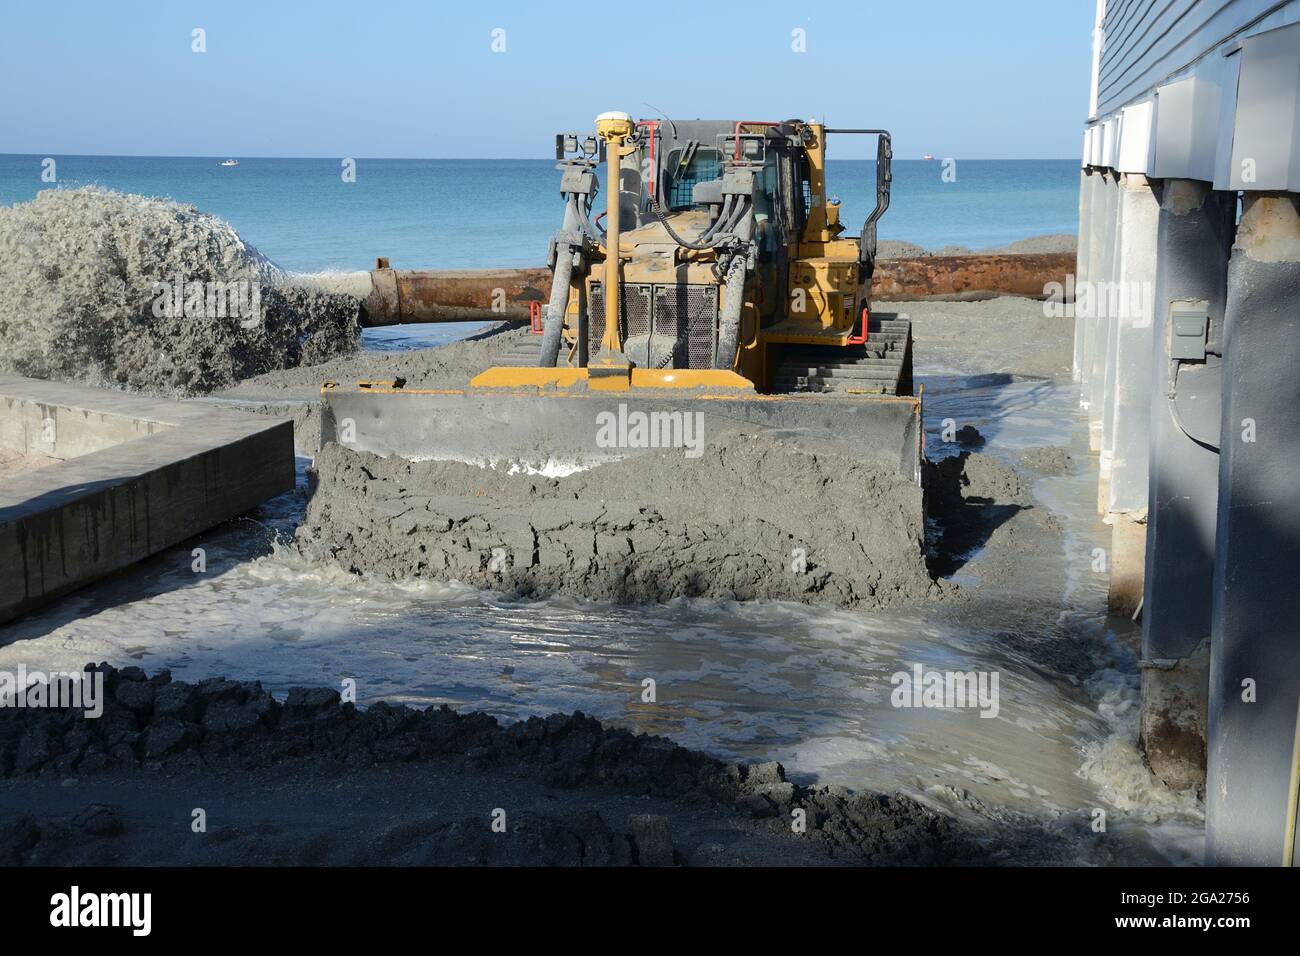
(1198, 89)
(1146, 43)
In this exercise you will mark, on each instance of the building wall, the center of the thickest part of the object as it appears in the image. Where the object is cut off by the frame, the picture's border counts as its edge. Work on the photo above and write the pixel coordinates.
(1197, 89)
(1147, 43)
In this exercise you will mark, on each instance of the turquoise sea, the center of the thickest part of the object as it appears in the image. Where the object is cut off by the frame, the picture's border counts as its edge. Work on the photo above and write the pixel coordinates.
(462, 213)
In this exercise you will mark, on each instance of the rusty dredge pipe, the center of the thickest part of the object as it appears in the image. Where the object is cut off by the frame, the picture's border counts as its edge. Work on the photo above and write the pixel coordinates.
(402, 296)
(979, 276)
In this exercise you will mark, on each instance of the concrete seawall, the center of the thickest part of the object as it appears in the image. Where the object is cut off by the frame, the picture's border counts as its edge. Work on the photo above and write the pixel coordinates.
(134, 475)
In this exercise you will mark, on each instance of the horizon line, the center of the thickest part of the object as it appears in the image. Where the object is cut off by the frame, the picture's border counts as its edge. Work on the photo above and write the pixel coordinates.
(871, 159)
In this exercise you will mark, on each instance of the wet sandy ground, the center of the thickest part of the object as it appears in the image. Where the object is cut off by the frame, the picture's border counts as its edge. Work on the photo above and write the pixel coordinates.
(291, 817)
(754, 681)
(1007, 334)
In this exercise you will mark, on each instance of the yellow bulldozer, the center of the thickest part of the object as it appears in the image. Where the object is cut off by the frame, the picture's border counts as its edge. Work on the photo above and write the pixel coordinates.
(721, 286)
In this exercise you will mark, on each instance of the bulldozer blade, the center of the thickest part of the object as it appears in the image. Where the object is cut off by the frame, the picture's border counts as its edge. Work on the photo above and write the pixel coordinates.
(558, 432)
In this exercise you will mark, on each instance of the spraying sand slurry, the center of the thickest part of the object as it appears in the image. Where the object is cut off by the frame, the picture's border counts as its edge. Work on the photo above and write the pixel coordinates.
(150, 295)
(753, 517)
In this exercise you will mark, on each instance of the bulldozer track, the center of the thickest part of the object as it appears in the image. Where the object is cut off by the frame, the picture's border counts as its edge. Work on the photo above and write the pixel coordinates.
(881, 366)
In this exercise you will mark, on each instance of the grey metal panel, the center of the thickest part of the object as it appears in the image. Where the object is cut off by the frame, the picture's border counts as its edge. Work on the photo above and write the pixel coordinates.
(1110, 140)
(1148, 42)
(633, 317)
(1187, 121)
(1136, 139)
(1231, 70)
(1266, 138)
(689, 314)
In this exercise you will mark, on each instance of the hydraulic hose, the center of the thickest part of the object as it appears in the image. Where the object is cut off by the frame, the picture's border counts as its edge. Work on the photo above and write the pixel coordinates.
(738, 215)
(729, 324)
(687, 244)
(724, 216)
(553, 329)
(584, 220)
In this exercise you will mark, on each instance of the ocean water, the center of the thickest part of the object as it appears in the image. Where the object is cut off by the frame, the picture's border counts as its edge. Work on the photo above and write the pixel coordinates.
(457, 213)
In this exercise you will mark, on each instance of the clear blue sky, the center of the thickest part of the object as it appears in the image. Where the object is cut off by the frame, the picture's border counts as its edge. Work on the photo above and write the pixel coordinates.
(1006, 79)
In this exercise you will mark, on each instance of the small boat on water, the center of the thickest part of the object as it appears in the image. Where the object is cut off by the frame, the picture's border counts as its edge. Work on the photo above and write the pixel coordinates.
(231, 162)
(927, 156)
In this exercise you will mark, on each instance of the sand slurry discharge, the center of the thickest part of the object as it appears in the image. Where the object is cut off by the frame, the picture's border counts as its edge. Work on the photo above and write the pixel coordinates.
(81, 276)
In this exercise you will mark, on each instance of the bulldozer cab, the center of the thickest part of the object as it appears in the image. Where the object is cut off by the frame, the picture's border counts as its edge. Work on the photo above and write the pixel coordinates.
(670, 173)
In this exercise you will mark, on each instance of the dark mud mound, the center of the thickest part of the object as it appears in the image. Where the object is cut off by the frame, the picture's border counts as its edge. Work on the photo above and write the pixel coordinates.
(175, 729)
(754, 517)
(224, 725)
(151, 295)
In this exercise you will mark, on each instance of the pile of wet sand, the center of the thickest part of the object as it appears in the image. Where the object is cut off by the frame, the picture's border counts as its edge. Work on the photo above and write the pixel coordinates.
(445, 366)
(753, 517)
(657, 526)
(1056, 242)
(1048, 460)
(99, 287)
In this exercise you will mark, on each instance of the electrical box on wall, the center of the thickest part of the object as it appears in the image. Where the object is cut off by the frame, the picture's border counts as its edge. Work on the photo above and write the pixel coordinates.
(1187, 329)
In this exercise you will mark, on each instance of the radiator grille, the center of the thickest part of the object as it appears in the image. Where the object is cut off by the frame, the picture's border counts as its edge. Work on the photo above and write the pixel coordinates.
(633, 314)
(688, 312)
(682, 322)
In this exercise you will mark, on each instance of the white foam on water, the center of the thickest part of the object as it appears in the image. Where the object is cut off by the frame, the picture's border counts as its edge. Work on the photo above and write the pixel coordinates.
(551, 468)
